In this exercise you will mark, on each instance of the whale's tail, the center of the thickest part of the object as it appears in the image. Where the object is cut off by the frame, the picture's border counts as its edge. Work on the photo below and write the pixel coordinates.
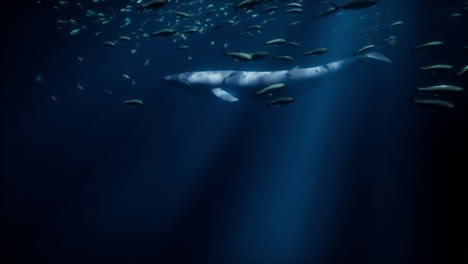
(376, 56)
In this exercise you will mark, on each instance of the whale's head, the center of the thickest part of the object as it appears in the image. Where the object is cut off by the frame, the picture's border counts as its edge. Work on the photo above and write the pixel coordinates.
(189, 81)
(178, 79)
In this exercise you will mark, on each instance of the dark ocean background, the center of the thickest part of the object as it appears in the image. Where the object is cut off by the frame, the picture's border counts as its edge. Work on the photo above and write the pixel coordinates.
(351, 172)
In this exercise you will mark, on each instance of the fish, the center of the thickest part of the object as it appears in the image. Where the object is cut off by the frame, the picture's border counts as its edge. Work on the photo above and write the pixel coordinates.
(217, 26)
(428, 45)
(364, 49)
(79, 86)
(232, 86)
(182, 14)
(147, 61)
(255, 27)
(463, 70)
(280, 101)
(126, 76)
(396, 23)
(248, 4)
(190, 30)
(293, 11)
(441, 87)
(293, 44)
(128, 21)
(248, 33)
(108, 92)
(153, 5)
(258, 55)
(355, 4)
(182, 48)
(269, 20)
(111, 44)
(276, 42)
(437, 67)
(126, 38)
(293, 5)
(327, 12)
(270, 9)
(433, 103)
(165, 32)
(283, 58)
(134, 102)
(316, 52)
(75, 31)
(272, 87)
(239, 56)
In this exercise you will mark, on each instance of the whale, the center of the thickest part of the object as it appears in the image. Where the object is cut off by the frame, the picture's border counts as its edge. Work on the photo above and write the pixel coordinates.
(233, 86)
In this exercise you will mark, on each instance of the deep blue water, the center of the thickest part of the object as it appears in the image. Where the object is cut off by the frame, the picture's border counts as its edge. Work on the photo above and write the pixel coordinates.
(348, 173)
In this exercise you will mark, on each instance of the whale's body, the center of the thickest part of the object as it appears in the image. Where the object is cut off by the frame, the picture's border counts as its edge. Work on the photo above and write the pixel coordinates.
(234, 85)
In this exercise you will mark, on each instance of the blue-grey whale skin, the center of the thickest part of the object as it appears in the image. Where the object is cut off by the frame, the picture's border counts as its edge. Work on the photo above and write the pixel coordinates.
(232, 86)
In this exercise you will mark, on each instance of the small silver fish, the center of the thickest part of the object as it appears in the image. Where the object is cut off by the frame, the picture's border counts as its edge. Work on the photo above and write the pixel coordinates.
(272, 87)
(432, 103)
(280, 101)
(463, 70)
(364, 49)
(134, 102)
(442, 87)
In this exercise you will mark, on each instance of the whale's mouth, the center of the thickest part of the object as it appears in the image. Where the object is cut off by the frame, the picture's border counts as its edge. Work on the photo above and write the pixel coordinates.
(170, 78)
(184, 82)
(177, 80)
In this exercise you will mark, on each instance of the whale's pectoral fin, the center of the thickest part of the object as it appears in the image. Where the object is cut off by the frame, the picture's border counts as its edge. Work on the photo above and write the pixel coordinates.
(224, 95)
(290, 75)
